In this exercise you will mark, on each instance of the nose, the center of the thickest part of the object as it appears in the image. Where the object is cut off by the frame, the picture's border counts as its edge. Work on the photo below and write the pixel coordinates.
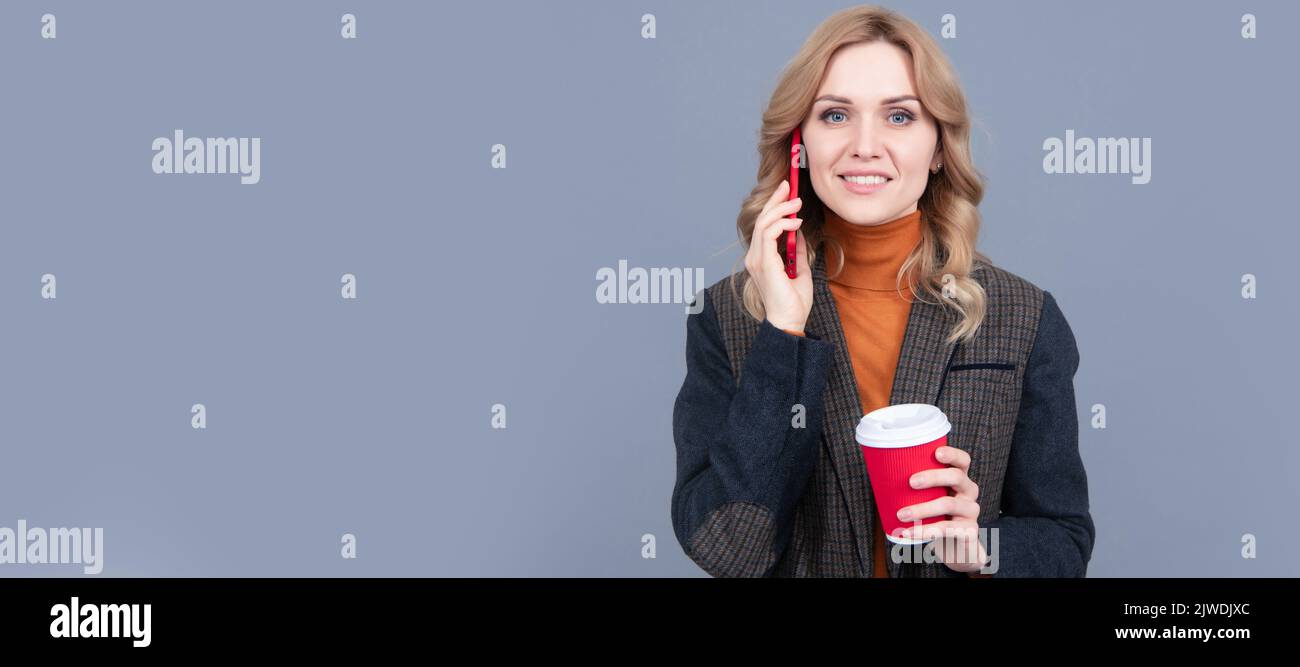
(866, 142)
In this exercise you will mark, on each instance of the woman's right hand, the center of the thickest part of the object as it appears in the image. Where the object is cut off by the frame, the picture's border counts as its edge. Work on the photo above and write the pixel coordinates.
(787, 302)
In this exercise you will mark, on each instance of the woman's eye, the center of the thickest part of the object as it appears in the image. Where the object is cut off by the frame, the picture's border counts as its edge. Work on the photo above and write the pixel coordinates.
(832, 112)
(903, 113)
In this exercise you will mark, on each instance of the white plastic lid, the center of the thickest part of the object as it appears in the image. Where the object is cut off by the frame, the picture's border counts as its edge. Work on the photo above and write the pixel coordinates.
(902, 425)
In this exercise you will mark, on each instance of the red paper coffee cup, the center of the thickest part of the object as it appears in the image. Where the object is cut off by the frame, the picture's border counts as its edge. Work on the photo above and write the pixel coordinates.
(897, 442)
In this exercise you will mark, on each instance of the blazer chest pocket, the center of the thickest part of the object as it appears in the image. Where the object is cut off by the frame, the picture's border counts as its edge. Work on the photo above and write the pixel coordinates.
(977, 388)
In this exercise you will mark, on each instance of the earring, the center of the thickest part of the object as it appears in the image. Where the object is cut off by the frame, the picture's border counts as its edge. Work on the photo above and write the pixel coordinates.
(936, 169)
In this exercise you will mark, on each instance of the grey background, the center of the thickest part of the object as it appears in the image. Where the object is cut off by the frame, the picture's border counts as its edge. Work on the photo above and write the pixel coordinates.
(477, 285)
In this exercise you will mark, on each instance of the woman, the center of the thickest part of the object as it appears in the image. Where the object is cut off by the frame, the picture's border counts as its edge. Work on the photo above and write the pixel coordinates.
(770, 481)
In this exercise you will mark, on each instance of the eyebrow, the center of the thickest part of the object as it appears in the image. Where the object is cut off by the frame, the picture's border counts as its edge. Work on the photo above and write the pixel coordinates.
(844, 100)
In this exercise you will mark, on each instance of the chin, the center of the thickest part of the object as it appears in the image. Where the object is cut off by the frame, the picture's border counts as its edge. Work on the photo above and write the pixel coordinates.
(862, 213)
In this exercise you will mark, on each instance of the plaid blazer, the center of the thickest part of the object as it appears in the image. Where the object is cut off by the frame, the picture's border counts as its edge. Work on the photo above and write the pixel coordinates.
(755, 496)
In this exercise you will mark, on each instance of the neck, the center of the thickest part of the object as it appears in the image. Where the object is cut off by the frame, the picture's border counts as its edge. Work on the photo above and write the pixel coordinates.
(872, 253)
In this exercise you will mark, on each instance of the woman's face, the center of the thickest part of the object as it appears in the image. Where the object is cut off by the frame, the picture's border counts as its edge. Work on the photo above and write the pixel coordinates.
(859, 124)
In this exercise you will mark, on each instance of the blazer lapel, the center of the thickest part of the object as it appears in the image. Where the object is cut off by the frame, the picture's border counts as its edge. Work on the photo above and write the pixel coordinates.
(921, 364)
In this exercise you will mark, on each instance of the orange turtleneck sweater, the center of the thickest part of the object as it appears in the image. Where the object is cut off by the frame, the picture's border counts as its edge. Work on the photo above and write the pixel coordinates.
(873, 313)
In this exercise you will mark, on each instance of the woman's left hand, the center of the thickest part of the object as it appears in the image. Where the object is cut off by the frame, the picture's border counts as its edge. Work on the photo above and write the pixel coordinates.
(956, 541)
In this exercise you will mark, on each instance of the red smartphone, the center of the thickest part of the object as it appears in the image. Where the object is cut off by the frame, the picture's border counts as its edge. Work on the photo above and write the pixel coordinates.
(787, 244)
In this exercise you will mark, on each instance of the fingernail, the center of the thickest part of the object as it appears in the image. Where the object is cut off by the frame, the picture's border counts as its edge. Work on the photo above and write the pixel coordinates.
(941, 455)
(916, 481)
(904, 515)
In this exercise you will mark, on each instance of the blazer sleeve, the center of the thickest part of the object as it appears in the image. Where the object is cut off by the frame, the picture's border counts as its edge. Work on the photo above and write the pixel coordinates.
(742, 461)
(1045, 529)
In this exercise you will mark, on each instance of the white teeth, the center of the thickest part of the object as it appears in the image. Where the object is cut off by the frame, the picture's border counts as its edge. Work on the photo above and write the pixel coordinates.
(865, 180)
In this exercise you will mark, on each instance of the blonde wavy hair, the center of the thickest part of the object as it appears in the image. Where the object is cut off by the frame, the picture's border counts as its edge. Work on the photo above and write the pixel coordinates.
(950, 200)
